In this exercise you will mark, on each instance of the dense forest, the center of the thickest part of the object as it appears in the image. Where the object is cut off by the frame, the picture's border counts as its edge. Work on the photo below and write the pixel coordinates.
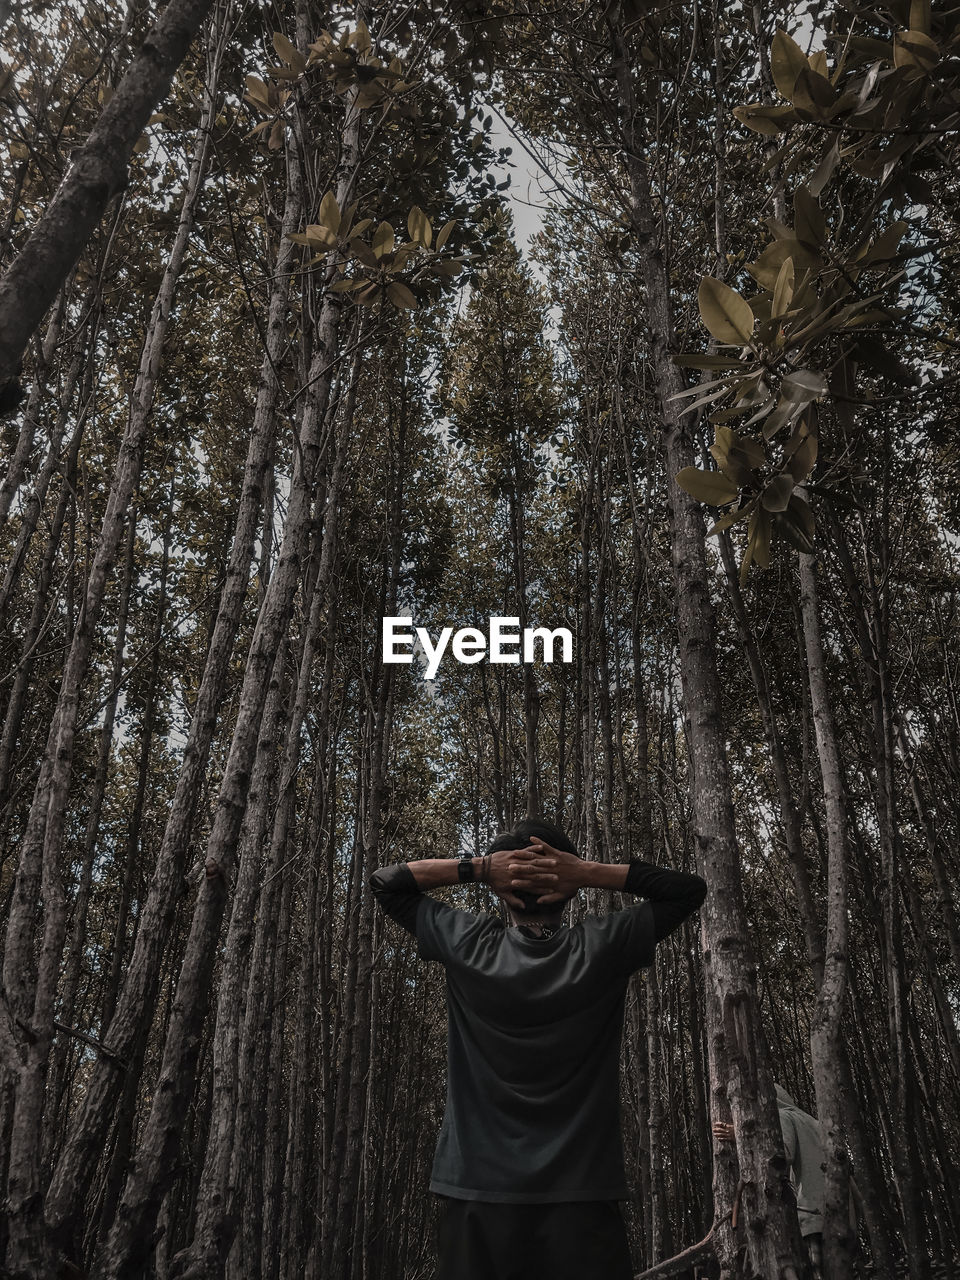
(275, 364)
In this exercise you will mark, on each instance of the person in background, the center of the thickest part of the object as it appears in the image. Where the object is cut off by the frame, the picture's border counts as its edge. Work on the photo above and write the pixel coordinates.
(529, 1161)
(803, 1145)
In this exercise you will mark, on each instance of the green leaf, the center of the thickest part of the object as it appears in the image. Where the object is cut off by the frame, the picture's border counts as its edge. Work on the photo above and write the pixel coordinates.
(724, 438)
(314, 236)
(886, 244)
(418, 225)
(813, 94)
(758, 542)
(400, 295)
(360, 38)
(770, 121)
(346, 220)
(783, 289)
(363, 253)
(787, 60)
(258, 92)
(797, 524)
(745, 565)
(759, 531)
(751, 449)
(730, 519)
(759, 414)
(876, 50)
(448, 267)
(700, 389)
(760, 305)
(767, 267)
(711, 487)
(714, 394)
(803, 459)
(726, 315)
(804, 385)
(809, 221)
(916, 51)
(825, 169)
(444, 234)
(784, 413)
(289, 53)
(920, 16)
(383, 240)
(729, 445)
(777, 493)
(329, 213)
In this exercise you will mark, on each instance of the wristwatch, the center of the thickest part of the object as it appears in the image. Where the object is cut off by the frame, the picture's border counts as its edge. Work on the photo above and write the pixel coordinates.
(465, 872)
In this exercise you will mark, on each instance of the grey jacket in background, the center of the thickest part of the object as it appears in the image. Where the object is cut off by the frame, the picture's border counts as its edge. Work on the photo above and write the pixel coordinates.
(803, 1144)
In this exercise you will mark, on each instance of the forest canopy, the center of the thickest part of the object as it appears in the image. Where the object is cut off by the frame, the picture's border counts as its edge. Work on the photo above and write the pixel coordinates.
(277, 363)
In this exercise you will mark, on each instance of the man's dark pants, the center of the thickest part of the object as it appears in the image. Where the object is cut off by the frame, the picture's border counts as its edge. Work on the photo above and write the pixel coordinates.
(572, 1240)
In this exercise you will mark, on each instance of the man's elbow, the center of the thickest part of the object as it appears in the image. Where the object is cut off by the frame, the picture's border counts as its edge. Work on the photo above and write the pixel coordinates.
(395, 878)
(701, 892)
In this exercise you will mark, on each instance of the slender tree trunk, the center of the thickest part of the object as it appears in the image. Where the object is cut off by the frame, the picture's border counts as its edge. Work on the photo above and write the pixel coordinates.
(39, 622)
(217, 1202)
(78, 938)
(216, 1207)
(33, 506)
(789, 810)
(826, 1039)
(27, 1019)
(134, 824)
(137, 999)
(152, 1169)
(31, 416)
(771, 1227)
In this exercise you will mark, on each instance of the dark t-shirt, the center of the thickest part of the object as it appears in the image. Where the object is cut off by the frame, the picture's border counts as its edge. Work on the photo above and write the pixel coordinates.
(534, 1028)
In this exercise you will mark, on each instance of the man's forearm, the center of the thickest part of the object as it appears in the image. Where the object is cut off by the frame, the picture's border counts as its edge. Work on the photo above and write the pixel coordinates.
(659, 884)
(432, 873)
(605, 875)
(674, 895)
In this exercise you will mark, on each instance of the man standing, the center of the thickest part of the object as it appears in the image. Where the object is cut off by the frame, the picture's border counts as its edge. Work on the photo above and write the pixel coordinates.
(803, 1146)
(529, 1159)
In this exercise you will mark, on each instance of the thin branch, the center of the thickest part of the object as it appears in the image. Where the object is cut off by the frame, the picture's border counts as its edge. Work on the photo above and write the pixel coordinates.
(93, 1043)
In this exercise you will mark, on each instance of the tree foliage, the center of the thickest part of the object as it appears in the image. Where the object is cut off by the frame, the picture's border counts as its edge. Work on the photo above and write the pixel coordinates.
(306, 373)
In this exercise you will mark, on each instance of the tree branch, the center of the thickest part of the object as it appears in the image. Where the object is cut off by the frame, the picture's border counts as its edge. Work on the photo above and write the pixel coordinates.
(681, 1262)
(94, 1044)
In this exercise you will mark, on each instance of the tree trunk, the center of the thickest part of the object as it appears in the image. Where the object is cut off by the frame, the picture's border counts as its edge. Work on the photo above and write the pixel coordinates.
(771, 1227)
(826, 1040)
(30, 1001)
(98, 170)
(137, 999)
(152, 1170)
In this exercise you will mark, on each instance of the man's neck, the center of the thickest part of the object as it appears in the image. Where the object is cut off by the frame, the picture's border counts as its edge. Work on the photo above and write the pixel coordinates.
(542, 927)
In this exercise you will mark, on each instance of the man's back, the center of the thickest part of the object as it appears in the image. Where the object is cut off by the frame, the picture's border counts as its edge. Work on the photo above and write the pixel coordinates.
(529, 1164)
(533, 1050)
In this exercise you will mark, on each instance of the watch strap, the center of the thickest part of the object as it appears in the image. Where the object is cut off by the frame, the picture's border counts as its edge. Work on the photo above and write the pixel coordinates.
(465, 871)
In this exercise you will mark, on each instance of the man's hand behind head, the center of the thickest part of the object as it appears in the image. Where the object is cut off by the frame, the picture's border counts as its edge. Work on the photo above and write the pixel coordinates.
(567, 868)
(520, 869)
